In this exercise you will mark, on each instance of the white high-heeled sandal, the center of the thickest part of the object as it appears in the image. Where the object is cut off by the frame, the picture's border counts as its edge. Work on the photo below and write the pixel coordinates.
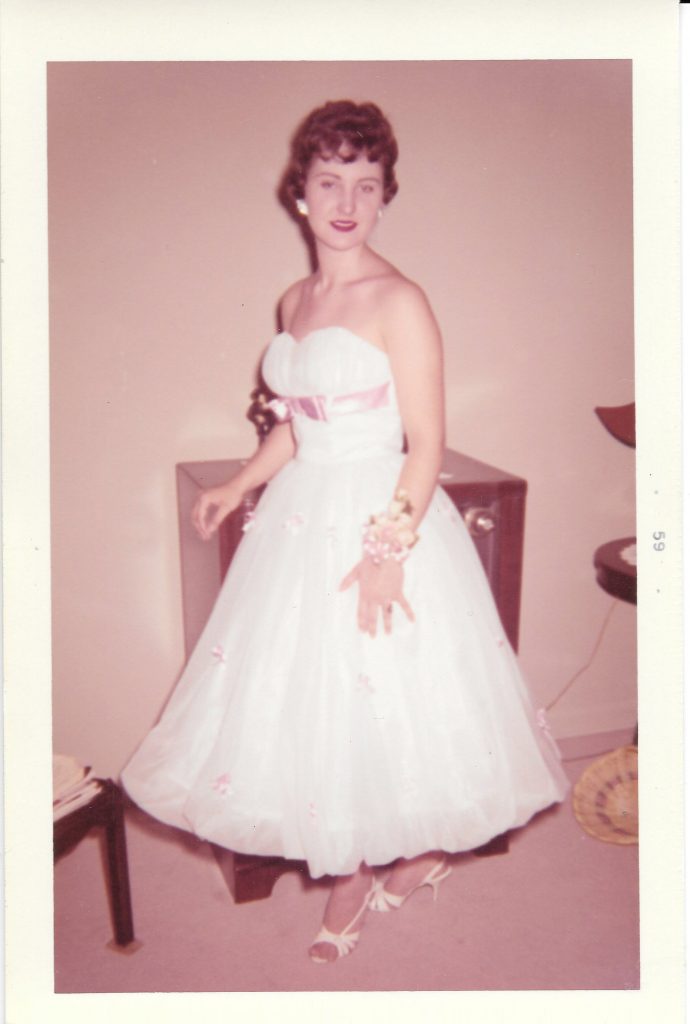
(346, 940)
(382, 900)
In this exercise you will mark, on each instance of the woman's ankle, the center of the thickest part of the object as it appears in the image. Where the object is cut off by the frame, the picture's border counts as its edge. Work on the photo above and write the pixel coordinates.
(408, 871)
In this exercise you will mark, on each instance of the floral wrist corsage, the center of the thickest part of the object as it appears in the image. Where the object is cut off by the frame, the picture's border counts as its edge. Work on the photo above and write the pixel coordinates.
(389, 534)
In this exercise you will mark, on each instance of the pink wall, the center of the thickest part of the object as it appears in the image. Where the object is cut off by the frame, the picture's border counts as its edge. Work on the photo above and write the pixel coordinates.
(168, 251)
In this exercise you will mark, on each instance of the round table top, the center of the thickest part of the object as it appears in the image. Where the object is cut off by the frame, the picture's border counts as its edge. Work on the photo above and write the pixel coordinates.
(616, 568)
(619, 420)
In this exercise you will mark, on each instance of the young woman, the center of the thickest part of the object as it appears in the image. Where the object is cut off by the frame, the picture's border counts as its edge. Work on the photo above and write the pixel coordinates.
(353, 700)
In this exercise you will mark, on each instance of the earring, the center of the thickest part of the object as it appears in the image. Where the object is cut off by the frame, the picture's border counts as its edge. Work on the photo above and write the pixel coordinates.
(302, 207)
(380, 212)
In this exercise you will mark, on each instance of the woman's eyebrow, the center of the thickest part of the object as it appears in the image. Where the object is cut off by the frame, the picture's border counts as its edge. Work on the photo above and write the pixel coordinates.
(334, 174)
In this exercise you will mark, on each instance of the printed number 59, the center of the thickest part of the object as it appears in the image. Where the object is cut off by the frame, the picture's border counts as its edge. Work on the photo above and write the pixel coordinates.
(658, 536)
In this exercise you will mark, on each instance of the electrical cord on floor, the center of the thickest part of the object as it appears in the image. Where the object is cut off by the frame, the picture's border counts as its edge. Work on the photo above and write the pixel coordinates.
(589, 660)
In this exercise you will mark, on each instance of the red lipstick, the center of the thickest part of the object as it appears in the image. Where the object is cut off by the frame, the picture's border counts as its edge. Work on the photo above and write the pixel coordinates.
(344, 225)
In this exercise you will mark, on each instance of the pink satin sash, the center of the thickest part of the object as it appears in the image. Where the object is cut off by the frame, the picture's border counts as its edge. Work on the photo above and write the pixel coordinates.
(319, 407)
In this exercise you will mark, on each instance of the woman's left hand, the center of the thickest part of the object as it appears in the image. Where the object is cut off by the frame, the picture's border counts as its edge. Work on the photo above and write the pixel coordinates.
(380, 586)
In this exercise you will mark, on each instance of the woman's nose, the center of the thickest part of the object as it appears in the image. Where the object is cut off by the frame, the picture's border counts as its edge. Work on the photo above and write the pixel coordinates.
(346, 201)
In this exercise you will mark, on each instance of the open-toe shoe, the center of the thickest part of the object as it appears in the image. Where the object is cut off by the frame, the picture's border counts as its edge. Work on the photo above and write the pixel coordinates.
(346, 940)
(382, 900)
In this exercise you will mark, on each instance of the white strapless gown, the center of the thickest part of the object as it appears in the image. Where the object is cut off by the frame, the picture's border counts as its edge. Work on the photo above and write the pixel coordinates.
(292, 733)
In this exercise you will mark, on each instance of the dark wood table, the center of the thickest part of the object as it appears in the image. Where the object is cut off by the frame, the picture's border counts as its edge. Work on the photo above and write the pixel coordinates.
(615, 575)
(105, 810)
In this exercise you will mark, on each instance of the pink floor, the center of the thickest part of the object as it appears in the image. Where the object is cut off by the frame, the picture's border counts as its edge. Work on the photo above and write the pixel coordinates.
(560, 911)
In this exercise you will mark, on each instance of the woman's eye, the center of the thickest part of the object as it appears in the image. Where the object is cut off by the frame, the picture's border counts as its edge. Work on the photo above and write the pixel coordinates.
(326, 184)
(367, 188)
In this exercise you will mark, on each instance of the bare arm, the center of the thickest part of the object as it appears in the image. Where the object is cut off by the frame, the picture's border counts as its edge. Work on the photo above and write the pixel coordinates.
(272, 455)
(414, 348)
(213, 505)
(413, 343)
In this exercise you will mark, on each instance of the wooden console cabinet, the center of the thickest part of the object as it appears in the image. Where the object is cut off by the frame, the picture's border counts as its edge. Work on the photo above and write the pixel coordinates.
(491, 501)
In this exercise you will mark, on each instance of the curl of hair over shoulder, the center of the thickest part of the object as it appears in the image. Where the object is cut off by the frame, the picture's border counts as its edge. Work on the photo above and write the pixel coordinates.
(340, 127)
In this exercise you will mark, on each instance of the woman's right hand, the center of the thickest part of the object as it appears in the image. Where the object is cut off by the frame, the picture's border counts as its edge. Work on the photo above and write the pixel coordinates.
(213, 505)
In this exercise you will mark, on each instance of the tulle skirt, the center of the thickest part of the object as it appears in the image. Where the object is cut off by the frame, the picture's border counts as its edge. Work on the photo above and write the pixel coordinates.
(292, 733)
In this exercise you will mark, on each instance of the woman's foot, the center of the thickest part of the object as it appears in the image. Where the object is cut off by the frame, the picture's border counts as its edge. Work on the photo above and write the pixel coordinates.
(345, 910)
(408, 875)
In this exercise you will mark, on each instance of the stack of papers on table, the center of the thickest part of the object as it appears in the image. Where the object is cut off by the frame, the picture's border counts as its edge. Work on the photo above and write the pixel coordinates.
(73, 785)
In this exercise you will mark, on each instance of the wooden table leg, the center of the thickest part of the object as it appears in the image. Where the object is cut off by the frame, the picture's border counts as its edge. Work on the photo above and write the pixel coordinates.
(118, 871)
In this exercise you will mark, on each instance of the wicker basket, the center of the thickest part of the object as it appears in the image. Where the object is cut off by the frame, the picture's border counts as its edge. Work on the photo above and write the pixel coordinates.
(605, 798)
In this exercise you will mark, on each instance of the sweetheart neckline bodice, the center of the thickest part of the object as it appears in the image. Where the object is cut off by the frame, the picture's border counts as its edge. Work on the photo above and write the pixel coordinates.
(331, 327)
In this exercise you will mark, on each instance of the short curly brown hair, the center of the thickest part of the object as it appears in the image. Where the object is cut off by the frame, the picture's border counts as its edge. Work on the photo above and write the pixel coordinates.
(340, 125)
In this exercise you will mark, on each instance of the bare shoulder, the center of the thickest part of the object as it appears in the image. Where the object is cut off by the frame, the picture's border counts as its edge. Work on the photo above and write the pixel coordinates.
(289, 301)
(405, 309)
(398, 290)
